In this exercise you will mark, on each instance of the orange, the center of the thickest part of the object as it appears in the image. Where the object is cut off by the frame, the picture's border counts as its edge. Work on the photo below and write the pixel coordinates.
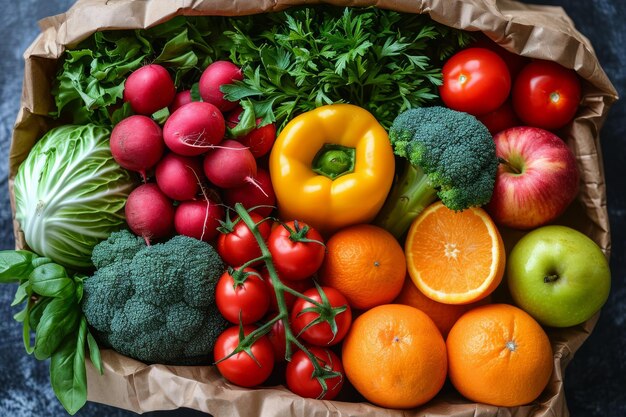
(395, 356)
(454, 257)
(366, 264)
(444, 315)
(498, 354)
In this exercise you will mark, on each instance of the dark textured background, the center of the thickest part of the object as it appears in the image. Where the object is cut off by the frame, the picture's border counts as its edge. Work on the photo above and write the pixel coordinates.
(595, 381)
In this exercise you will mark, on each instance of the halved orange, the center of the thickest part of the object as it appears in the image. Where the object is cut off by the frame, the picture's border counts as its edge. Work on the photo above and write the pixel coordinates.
(454, 257)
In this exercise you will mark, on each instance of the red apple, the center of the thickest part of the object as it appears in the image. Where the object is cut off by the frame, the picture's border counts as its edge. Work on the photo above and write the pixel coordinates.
(536, 180)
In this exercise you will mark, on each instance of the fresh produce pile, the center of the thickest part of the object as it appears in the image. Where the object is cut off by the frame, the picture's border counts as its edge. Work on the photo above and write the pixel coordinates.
(315, 197)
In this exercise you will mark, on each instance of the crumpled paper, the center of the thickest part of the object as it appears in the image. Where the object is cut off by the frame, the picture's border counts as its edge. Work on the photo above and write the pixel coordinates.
(534, 31)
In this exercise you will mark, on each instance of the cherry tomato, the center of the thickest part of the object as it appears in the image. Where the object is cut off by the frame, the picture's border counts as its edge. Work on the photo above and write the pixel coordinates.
(276, 335)
(239, 246)
(297, 250)
(300, 378)
(321, 333)
(247, 301)
(500, 119)
(546, 94)
(299, 285)
(476, 81)
(241, 369)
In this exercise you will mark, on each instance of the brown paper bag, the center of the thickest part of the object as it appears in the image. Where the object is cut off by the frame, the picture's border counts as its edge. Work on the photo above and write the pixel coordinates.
(533, 31)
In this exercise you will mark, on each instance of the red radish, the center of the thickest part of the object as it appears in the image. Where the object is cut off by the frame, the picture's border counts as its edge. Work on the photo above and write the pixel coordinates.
(149, 213)
(137, 143)
(179, 176)
(181, 98)
(194, 128)
(148, 89)
(259, 140)
(198, 219)
(213, 77)
(250, 195)
(230, 165)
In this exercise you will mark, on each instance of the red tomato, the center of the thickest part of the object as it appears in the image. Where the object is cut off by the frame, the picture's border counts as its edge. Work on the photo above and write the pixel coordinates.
(299, 285)
(300, 378)
(241, 369)
(240, 246)
(276, 335)
(297, 250)
(546, 94)
(514, 62)
(321, 334)
(247, 301)
(500, 119)
(476, 81)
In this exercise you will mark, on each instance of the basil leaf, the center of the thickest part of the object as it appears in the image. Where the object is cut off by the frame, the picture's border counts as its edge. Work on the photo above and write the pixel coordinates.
(68, 376)
(51, 280)
(24, 317)
(15, 265)
(22, 293)
(60, 318)
(37, 311)
(94, 353)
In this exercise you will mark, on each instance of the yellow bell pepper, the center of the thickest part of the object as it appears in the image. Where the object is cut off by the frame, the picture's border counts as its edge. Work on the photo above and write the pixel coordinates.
(332, 167)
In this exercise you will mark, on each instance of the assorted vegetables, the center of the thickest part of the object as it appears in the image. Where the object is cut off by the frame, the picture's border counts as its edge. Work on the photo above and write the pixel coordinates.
(224, 223)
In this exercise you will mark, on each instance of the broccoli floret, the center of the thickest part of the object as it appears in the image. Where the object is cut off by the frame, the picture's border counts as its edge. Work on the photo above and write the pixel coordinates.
(158, 303)
(106, 292)
(448, 155)
(121, 245)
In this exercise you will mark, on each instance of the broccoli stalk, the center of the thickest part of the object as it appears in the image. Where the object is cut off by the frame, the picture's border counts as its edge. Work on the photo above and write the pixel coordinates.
(448, 155)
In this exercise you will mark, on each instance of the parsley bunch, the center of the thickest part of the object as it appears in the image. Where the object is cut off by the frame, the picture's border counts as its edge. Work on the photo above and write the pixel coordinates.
(302, 58)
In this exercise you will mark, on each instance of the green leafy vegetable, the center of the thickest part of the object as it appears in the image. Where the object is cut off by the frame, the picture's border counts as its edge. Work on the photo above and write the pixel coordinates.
(299, 59)
(90, 83)
(70, 194)
(52, 311)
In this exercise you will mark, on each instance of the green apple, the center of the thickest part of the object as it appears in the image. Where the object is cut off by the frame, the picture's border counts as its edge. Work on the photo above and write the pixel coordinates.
(558, 275)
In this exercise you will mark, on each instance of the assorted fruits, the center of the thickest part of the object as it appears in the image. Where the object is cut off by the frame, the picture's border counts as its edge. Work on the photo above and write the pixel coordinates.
(352, 242)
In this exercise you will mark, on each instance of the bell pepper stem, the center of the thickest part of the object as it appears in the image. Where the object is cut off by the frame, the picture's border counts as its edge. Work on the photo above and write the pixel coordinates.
(334, 160)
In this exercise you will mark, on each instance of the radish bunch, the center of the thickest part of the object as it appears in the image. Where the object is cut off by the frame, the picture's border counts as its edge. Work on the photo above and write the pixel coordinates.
(191, 163)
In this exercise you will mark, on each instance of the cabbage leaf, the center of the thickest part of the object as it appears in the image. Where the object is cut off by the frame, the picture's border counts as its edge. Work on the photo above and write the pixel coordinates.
(70, 194)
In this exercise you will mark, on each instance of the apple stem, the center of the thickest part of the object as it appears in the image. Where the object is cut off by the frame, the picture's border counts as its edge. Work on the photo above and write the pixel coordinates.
(510, 167)
(550, 278)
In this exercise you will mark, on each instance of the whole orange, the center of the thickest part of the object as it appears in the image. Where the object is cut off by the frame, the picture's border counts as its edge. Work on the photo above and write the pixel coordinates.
(395, 356)
(366, 264)
(498, 354)
(444, 315)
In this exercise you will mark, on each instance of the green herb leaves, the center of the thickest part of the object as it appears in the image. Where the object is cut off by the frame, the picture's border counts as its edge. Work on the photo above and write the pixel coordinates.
(381, 60)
